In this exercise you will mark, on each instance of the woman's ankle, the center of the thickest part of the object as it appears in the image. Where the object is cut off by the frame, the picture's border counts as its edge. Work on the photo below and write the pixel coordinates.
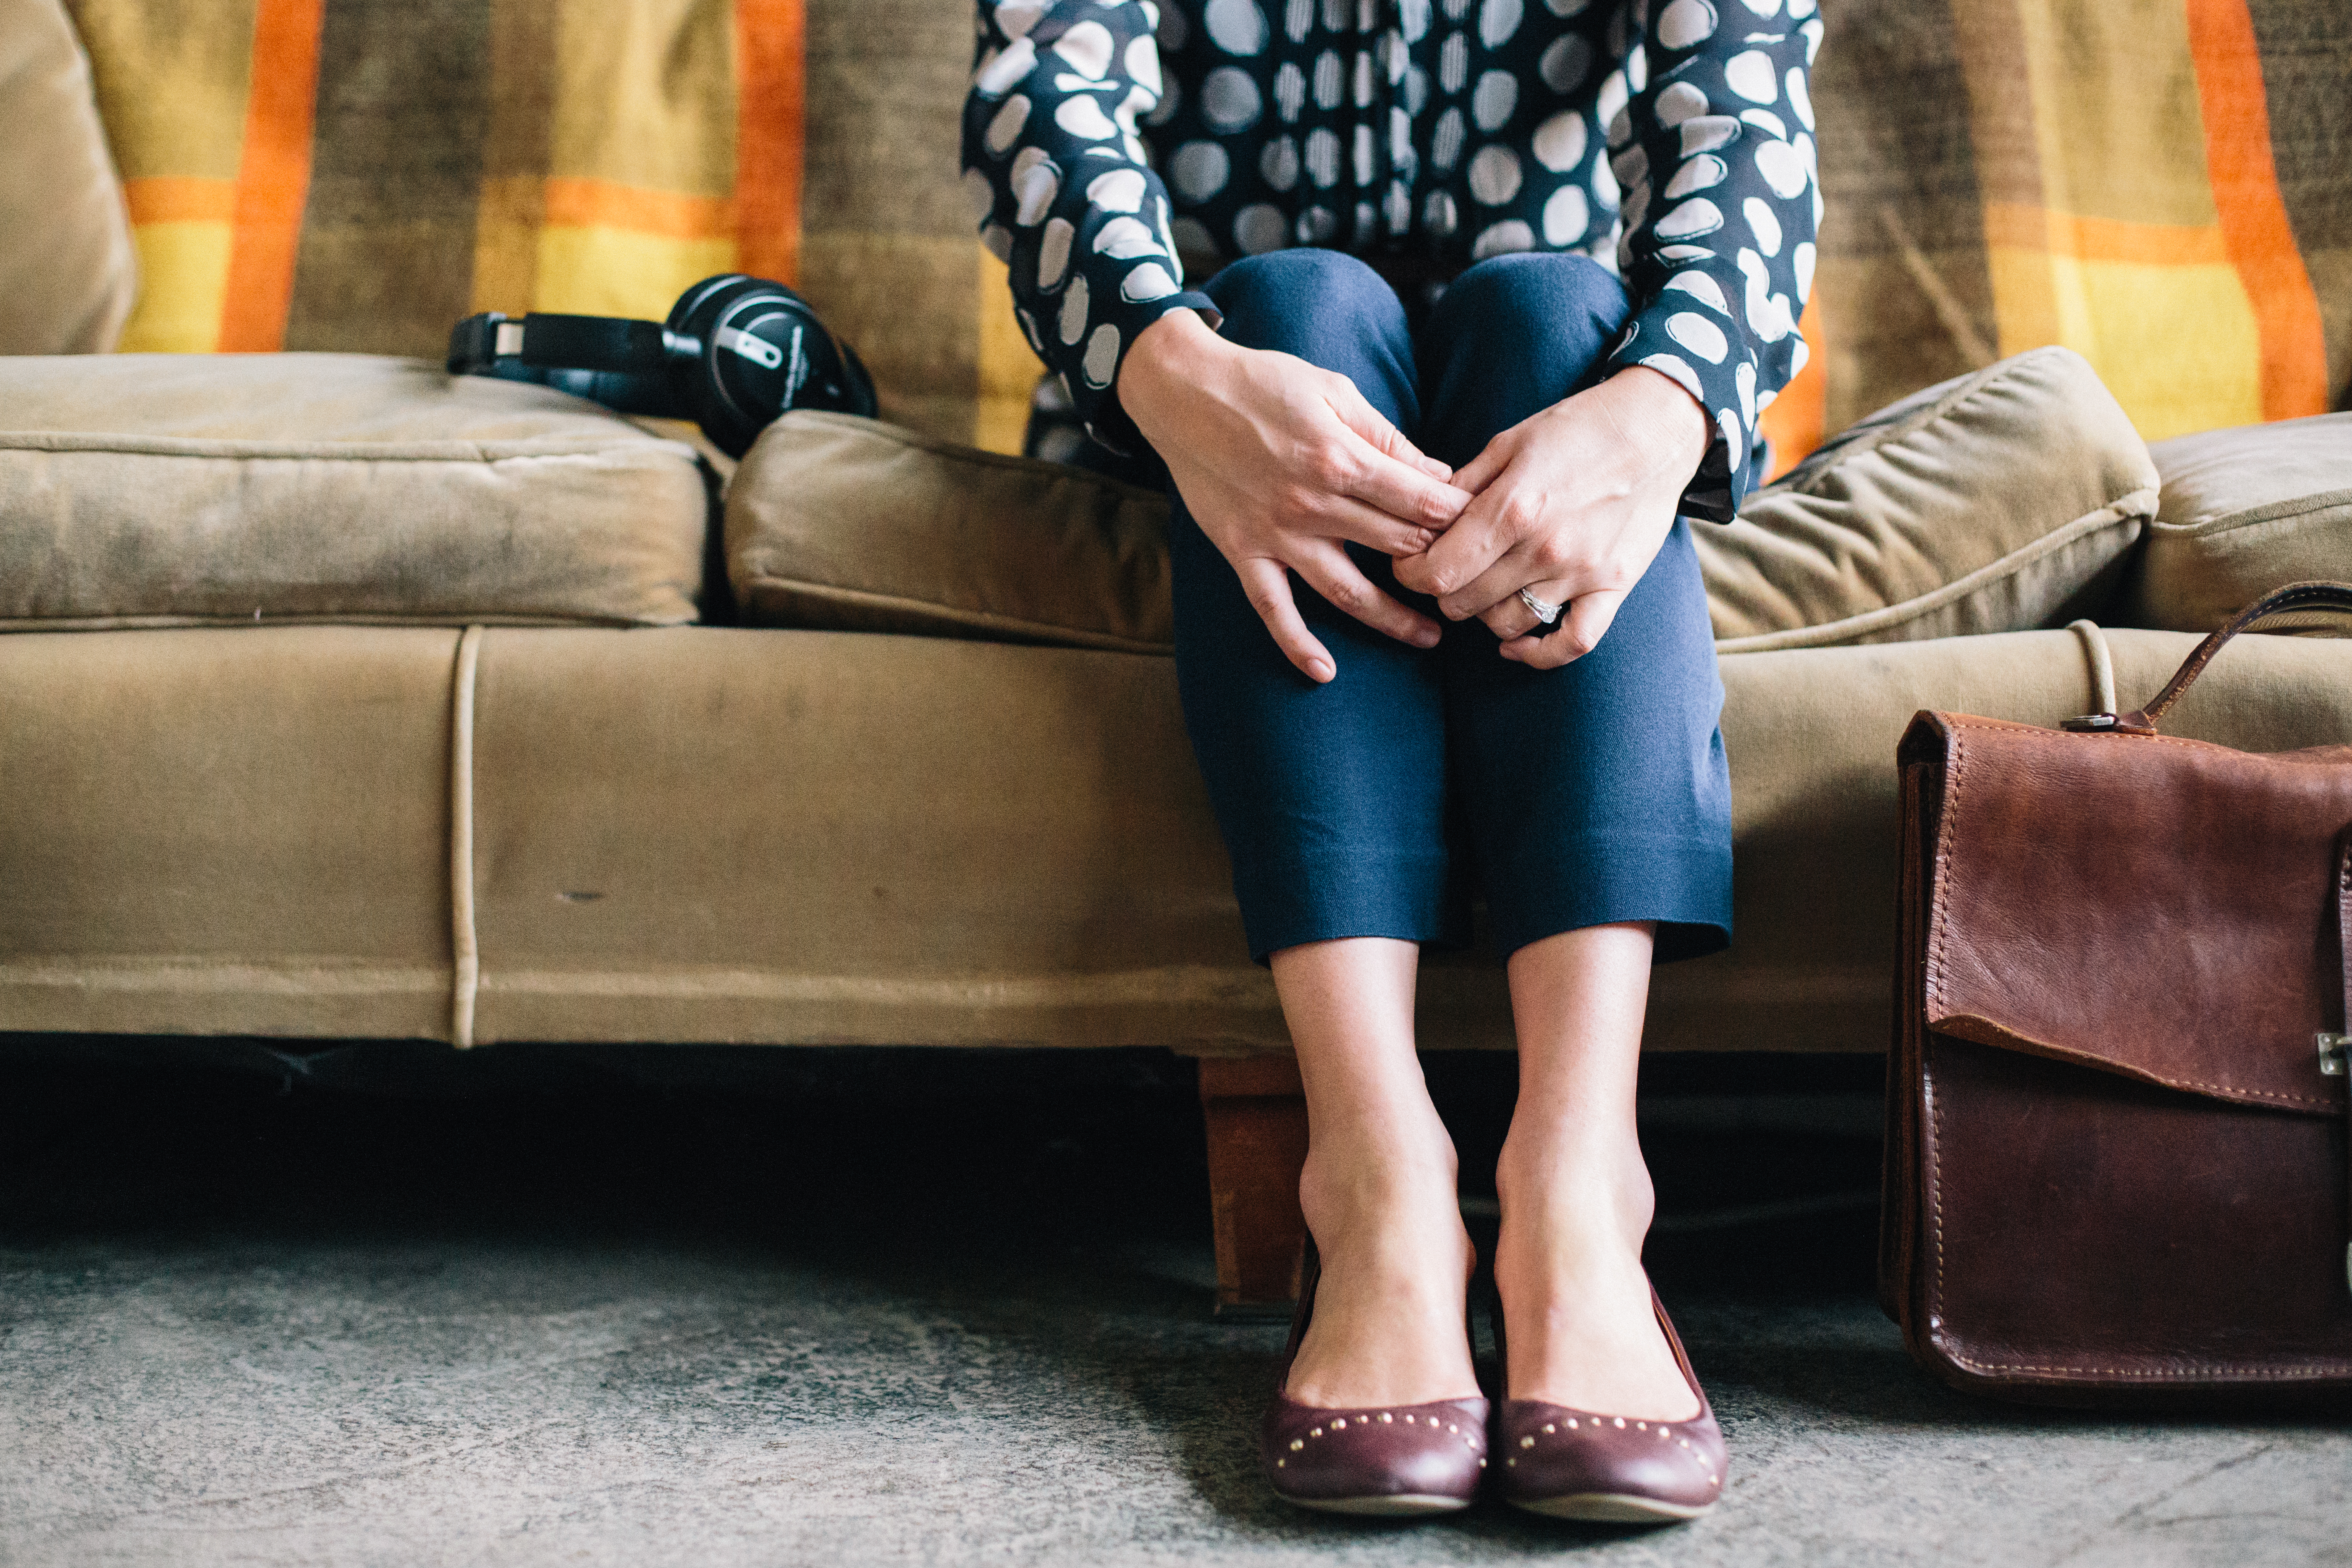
(1588, 1191)
(1381, 1203)
(1396, 1259)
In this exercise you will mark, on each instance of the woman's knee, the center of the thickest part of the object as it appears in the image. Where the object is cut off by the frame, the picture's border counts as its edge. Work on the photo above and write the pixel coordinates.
(1287, 300)
(1538, 296)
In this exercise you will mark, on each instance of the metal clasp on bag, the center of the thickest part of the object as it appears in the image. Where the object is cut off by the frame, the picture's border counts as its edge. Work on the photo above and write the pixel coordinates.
(2334, 1051)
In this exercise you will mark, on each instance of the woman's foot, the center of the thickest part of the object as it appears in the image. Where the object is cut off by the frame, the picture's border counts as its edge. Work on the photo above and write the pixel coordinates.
(1387, 1325)
(1582, 1330)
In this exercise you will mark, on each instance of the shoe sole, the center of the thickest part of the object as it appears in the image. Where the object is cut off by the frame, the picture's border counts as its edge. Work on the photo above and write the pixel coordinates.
(1400, 1505)
(1611, 1507)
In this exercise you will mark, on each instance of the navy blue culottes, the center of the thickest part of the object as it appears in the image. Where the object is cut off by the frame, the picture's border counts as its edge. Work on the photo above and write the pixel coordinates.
(1379, 805)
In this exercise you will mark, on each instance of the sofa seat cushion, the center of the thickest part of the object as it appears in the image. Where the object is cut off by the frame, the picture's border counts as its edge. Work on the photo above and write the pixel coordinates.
(1995, 502)
(2245, 511)
(164, 489)
(705, 834)
(854, 525)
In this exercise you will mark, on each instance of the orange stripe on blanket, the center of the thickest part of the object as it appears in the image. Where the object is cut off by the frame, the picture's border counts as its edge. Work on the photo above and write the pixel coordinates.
(169, 199)
(601, 204)
(2254, 226)
(273, 175)
(770, 70)
(2010, 225)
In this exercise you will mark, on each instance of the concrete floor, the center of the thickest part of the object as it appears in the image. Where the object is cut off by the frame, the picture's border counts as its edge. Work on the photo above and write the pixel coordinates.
(885, 1308)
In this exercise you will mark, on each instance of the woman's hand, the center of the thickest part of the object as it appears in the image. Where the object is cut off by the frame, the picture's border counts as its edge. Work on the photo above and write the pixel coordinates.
(1280, 462)
(1572, 505)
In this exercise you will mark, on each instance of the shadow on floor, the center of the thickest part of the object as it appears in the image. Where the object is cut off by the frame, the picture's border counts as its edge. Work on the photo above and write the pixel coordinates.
(525, 1305)
(988, 1184)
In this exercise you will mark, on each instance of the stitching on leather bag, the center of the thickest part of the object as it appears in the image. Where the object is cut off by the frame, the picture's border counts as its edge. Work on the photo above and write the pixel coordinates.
(1936, 1198)
(2194, 1369)
(1953, 778)
(2241, 1089)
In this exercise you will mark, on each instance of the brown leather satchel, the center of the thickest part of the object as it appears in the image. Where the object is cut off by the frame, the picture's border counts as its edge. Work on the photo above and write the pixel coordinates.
(2117, 1164)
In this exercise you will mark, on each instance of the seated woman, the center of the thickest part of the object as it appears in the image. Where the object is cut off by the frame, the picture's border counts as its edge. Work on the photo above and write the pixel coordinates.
(1495, 290)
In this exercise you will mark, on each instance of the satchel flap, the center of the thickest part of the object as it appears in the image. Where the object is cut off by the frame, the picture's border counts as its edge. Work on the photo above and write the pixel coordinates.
(2161, 908)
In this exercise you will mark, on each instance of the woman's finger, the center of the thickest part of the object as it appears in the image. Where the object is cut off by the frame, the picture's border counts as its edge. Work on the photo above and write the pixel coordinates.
(1348, 403)
(1372, 477)
(1361, 467)
(1581, 626)
(1327, 571)
(1344, 517)
(1487, 530)
(1518, 568)
(1267, 585)
(1511, 617)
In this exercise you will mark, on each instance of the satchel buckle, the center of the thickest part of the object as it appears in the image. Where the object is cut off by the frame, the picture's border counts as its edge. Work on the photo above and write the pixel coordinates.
(2108, 724)
(2334, 1050)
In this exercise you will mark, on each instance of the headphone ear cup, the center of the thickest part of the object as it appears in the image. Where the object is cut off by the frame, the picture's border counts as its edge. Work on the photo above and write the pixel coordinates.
(858, 384)
(763, 350)
(700, 393)
(697, 299)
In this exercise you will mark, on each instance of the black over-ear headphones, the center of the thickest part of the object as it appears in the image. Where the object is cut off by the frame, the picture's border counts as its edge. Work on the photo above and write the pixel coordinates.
(735, 354)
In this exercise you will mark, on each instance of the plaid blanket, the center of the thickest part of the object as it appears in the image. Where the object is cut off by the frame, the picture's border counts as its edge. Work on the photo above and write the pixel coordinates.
(2165, 186)
(341, 175)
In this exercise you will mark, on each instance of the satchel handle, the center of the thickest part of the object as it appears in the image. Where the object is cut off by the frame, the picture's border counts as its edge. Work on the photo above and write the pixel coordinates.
(2278, 600)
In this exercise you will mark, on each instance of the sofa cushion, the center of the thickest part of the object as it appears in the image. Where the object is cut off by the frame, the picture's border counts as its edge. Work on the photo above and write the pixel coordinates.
(174, 490)
(1991, 502)
(848, 523)
(2244, 512)
(1988, 504)
(708, 834)
(67, 280)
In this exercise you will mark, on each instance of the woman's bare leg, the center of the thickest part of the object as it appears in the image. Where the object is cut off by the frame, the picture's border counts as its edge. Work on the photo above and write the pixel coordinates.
(1576, 1195)
(1379, 1189)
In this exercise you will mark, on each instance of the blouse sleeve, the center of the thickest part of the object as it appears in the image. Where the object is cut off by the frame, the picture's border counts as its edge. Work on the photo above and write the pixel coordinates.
(1064, 191)
(1711, 141)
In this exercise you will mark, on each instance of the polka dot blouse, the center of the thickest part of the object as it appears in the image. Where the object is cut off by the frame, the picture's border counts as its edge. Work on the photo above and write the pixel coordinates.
(1112, 148)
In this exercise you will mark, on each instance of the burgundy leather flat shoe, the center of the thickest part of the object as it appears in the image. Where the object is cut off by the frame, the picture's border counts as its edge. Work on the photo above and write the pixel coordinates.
(1403, 1460)
(1573, 1464)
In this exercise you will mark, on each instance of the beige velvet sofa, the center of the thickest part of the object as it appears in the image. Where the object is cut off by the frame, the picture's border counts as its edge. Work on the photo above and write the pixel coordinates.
(345, 701)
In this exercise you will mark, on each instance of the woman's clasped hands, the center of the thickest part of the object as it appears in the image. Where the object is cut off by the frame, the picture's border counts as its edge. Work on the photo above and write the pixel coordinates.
(1282, 464)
